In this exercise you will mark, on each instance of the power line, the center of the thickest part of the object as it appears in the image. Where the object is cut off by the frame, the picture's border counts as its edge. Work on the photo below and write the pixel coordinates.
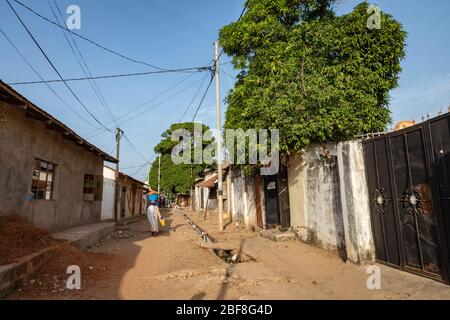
(92, 83)
(193, 70)
(239, 19)
(203, 98)
(146, 102)
(158, 104)
(134, 147)
(193, 99)
(54, 68)
(48, 86)
(89, 40)
(229, 75)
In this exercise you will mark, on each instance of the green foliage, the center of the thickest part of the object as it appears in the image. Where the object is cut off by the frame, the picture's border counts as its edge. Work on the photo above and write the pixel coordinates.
(314, 76)
(175, 178)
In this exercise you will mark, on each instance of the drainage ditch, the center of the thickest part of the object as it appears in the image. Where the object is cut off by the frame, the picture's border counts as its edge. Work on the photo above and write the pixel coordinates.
(230, 256)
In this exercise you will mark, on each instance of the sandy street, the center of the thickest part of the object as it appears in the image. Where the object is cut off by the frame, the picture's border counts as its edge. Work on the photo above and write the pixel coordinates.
(176, 265)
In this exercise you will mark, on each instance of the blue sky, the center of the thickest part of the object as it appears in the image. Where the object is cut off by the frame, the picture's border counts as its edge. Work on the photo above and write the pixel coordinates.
(180, 33)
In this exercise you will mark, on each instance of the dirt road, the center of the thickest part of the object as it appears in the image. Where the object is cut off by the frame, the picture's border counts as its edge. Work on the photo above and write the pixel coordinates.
(175, 266)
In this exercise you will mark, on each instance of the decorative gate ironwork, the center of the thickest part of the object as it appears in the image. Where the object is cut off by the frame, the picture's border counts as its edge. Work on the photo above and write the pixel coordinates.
(408, 174)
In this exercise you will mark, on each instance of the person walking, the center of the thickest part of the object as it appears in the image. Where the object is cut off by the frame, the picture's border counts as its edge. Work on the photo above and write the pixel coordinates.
(154, 216)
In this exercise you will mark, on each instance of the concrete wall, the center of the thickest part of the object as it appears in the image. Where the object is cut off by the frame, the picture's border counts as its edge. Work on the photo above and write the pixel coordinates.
(355, 202)
(137, 198)
(24, 139)
(109, 176)
(329, 200)
(243, 200)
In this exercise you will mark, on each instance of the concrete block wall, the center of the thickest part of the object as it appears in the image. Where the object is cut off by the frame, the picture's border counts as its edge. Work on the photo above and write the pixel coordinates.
(15, 275)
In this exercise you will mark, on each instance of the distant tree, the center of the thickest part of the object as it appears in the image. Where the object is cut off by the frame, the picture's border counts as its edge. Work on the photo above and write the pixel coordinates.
(175, 178)
(315, 76)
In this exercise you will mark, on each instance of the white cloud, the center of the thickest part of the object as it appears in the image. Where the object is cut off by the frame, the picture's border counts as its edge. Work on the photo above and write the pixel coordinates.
(426, 97)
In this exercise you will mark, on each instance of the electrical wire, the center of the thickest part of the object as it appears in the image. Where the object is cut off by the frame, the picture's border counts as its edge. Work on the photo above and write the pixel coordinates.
(48, 86)
(92, 83)
(203, 98)
(146, 102)
(89, 40)
(193, 99)
(54, 68)
(134, 147)
(161, 102)
(193, 70)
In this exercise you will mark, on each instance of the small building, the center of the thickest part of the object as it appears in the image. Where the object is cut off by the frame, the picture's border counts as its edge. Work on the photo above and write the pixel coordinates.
(183, 200)
(48, 174)
(132, 200)
(205, 190)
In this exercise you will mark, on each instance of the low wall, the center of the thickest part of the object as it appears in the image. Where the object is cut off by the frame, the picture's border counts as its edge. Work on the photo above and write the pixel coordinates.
(16, 274)
(329, 200)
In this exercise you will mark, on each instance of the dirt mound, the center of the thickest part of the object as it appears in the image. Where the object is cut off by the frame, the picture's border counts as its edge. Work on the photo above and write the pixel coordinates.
(50, 280)
(19, 238)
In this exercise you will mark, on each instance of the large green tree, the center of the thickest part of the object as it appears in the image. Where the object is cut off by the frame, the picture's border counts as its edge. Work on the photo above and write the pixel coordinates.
(315, 76)
(175, 178)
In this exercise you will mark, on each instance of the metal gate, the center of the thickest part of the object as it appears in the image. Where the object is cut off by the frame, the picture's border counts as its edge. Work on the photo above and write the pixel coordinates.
(409, 185)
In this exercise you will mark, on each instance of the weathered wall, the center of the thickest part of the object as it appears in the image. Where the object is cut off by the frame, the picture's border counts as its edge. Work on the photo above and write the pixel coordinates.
(329, 201)
(109, 177)
(243, 206)
(355, 202)
(24, 139)
(132, 200)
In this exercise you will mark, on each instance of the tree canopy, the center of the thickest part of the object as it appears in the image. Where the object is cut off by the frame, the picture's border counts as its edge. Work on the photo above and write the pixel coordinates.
(175, 178)
(315, 76)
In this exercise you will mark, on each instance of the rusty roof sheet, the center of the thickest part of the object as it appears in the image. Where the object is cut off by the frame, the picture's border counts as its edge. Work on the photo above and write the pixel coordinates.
(209, 183)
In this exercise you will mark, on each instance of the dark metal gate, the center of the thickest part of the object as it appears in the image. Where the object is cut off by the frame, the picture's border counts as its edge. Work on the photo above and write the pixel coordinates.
(409, 185)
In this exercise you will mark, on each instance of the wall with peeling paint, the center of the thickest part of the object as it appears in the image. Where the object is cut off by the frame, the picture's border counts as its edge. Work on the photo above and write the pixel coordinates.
(329, 201)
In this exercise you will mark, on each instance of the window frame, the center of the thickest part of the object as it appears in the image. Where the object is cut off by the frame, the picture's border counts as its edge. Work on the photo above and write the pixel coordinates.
(47, 192)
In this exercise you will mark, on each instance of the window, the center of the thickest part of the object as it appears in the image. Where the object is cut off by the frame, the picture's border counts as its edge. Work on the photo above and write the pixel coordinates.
(89, 183)
(43, 180)
(92, 187)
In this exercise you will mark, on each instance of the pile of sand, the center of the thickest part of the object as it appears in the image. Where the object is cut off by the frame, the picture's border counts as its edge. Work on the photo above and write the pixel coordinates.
(19, 238)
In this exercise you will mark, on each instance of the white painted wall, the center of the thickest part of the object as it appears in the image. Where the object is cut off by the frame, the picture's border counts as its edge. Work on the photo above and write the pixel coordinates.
(109, 176)
(355, 202)
(329, 200)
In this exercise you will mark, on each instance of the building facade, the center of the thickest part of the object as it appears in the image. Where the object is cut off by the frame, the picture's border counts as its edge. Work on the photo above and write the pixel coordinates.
(49, 175)
(132, 200)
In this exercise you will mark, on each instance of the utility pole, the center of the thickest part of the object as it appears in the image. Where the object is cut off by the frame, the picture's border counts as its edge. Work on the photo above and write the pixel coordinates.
(116, 186)
(159, 174)
(219, 141)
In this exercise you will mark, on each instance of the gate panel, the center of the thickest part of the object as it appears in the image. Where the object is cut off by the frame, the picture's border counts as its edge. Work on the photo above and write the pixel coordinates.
(440, 143)
(376, 217)
(388, 214)
(382, 210)
(408, 173)
(407, 220)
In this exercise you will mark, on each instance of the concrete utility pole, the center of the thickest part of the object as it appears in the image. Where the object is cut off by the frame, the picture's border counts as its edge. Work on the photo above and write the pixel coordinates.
(116, 185)
(159, 174)
(219, 141)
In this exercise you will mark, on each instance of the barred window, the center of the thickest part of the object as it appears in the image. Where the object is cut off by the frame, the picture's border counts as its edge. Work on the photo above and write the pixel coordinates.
(93, 187)
(43, 180)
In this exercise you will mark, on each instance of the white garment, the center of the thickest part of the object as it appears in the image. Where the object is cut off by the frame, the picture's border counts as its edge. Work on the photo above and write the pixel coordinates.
(153, 216)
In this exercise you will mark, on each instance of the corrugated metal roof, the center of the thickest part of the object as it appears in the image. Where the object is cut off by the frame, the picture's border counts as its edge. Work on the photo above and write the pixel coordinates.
(12, 97)
(210, 183)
